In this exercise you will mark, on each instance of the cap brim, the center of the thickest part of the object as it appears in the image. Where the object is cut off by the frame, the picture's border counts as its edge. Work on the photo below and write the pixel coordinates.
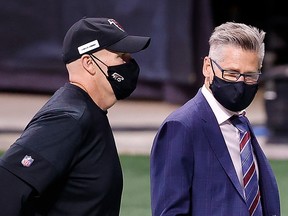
(130, 44)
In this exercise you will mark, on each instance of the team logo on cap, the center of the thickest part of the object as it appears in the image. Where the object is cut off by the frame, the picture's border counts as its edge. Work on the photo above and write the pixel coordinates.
(114, 22)
(117, 77)
(27, 161)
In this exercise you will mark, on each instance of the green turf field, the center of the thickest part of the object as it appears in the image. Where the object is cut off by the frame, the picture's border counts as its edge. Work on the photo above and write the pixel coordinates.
(280, 168)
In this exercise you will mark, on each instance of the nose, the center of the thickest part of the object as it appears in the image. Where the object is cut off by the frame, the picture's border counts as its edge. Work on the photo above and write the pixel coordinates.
(241, 78)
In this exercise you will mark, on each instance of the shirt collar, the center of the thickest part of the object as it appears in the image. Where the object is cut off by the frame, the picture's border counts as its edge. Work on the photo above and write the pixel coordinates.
(221, 113)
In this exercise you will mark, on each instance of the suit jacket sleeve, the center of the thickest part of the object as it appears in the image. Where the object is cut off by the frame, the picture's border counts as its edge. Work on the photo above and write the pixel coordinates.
(170, 174)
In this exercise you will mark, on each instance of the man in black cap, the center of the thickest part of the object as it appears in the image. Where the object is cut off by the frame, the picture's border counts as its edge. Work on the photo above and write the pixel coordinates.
(66, 161)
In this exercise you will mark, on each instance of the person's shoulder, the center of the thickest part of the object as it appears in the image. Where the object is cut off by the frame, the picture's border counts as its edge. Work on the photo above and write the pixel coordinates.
(191, 107)
(185, 113)
(65, 102)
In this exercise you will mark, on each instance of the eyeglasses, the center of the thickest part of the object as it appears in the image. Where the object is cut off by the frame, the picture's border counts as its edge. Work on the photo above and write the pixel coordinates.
(233, 76)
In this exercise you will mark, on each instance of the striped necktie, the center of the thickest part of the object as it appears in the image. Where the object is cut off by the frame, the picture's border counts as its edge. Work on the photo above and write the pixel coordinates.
(250, 180)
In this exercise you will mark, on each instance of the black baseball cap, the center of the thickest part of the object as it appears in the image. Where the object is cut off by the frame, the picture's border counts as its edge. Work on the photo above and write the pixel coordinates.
(89, 35)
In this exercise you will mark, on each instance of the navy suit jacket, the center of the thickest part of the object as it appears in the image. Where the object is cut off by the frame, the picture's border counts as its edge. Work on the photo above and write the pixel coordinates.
(192, 172)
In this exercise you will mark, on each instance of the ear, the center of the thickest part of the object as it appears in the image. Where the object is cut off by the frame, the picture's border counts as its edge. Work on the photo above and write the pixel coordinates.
(207, 71)
(207, 68)
(88, 64)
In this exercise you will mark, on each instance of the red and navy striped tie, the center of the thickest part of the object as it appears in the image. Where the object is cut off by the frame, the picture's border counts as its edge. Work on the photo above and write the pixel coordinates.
(250, 180)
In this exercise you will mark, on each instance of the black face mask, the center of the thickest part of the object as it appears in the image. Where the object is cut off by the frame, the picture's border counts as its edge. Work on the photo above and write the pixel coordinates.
(234, 96)
(122, 78)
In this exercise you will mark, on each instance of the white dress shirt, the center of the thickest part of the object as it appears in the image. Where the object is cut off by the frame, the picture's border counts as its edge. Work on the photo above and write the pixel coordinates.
(229, 131)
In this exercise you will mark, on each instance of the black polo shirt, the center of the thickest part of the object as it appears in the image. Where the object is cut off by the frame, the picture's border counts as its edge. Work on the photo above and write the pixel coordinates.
(67, 154)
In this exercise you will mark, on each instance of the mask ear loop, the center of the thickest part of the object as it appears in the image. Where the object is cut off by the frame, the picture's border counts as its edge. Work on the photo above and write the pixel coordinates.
(92, 57)
(211, 62)
(212, 66)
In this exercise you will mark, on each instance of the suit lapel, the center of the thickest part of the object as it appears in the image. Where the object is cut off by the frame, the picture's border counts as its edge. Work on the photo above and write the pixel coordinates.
(217, 142)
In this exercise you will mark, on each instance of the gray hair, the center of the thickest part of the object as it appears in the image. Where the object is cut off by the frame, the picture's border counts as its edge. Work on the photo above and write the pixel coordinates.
(240, 35)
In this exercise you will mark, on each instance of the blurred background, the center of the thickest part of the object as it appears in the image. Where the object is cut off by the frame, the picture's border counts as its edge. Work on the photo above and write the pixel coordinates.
(31, 70)
(31, 37)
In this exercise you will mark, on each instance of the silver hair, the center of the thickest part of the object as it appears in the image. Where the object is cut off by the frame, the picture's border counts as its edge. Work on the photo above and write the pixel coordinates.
(240, 35)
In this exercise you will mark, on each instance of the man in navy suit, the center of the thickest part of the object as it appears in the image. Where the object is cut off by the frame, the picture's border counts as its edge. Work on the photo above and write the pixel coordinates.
(195, 159)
